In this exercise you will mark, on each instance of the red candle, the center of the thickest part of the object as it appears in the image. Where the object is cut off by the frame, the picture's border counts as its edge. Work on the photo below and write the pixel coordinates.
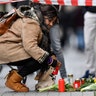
(61, 85)
(77, 84)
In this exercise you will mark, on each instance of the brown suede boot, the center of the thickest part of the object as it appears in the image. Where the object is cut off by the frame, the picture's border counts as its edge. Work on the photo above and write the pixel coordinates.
(14, 82)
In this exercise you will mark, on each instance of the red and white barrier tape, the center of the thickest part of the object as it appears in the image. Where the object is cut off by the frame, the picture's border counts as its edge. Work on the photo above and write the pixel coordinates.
(68, 2)
(9, 1)
(58, 2)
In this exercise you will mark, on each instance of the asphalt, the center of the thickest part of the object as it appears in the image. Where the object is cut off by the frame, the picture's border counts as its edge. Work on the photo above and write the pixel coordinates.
(75, 64)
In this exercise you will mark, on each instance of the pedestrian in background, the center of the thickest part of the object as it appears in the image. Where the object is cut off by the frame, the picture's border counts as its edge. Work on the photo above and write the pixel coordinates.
(71, 21)
(90, 35)
(55, 37)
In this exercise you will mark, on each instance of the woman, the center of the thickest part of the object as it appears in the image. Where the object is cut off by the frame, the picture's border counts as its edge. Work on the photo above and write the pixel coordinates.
(23, 45)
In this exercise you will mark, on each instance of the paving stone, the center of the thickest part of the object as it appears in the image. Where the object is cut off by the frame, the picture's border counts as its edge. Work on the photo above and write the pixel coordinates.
(32, 93)
(3, 89)
(53, 94)
(41, 94)
(88, 93)
(76, 94)
(20, 94)
(8, 94)
(64, 94)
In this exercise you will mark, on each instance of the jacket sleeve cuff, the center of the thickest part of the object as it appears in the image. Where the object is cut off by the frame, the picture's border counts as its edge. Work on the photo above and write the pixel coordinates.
(42, 59)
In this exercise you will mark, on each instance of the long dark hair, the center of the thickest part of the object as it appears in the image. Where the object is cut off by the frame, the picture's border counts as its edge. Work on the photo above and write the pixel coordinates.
(49, 10)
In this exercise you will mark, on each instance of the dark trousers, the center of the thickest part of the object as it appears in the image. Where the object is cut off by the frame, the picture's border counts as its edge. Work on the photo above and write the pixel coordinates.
(28, 66)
